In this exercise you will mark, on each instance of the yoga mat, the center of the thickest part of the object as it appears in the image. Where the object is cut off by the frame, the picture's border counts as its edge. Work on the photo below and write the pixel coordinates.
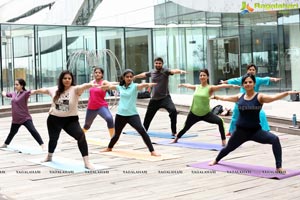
(192, 145)
(66, 164)
(105, 142)
(24, 149)
(139, 155)
(160, 134)
(245, 169)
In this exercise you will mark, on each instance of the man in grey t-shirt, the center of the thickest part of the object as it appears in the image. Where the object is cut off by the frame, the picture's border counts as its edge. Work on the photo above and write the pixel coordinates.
(160, 93)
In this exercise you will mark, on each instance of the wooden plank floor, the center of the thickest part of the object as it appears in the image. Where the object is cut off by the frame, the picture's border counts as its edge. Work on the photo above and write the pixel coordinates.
(168, 179)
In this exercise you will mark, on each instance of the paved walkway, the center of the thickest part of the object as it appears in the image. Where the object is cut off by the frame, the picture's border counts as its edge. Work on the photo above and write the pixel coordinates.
(162, 180)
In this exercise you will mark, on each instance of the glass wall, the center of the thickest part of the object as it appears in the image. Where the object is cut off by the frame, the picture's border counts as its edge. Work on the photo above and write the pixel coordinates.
(111, 51)
(225, 43)
(80, 42)
(230, 42)
(289, 49)
(138, 49)
(50, 56)
(38, 54)
(17, 47)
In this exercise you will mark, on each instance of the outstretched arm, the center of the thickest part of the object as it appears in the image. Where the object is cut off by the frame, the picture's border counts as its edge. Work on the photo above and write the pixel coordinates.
(4, 93)
(40, 91)
(145, 85)
(177, 71)
(187, 85)
(273, 79)
(264, 98)
(141, 75)
(105, 85)
(214, 88)
(233, 98)
(233, 81)
(109, 86)
(80, 88)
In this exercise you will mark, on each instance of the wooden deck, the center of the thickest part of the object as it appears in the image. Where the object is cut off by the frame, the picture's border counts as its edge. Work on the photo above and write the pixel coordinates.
(137, 179)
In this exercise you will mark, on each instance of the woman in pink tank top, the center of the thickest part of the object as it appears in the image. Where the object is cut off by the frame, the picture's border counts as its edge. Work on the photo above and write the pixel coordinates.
(97, 104)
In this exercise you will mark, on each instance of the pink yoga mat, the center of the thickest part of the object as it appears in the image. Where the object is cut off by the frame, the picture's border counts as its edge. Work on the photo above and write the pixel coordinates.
(245, 169)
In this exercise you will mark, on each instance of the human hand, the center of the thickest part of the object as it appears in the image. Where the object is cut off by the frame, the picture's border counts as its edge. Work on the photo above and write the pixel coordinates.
(151, 84)
(293, 92)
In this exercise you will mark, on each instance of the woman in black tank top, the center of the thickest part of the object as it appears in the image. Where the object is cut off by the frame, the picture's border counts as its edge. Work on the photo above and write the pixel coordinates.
(248, 127)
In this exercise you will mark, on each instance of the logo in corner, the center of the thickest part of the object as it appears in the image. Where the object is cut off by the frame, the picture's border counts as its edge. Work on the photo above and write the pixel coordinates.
(246, 8)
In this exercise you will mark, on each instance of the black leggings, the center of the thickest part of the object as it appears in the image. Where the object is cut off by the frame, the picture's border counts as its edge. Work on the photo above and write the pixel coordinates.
(242, 135)
(209, 117)
(155, 105)
(135, 122)
(71, 126)
(30, 127)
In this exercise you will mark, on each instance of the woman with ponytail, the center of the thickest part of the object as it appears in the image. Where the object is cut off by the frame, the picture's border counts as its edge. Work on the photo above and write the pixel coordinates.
(127, 111)
(20, 113)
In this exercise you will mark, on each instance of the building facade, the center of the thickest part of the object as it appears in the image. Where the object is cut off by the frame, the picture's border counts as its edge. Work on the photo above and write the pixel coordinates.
(186, 35)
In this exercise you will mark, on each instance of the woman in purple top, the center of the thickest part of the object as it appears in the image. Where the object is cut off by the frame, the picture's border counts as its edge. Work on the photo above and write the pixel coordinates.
(20, 113)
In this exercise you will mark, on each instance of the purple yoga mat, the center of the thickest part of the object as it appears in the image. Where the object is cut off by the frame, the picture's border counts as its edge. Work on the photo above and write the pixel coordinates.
(193, 145)
(245, 169)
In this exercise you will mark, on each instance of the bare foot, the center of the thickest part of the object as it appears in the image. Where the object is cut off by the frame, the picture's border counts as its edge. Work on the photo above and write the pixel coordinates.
(3, 146)
(175, 140)
(153, 153)
(43, 146)
(48, 158)
(87, 163)
(223, 143)
(280, 170)
(106, 150)
(211, 163)
(89, 166)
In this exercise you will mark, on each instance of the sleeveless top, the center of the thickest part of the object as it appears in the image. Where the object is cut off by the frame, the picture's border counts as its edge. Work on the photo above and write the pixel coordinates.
(200, 105)
(97, 97)
(249, 112)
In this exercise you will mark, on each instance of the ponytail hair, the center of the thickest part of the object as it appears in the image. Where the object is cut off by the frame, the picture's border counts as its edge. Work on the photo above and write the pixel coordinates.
(22, 82)
(122, 80)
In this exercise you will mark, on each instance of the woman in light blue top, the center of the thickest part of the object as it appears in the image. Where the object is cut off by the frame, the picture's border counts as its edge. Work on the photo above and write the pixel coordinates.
(127, 111)
(251, 69)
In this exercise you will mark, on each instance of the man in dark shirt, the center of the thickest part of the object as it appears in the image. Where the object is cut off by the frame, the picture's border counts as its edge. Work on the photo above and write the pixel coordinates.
(160, 97)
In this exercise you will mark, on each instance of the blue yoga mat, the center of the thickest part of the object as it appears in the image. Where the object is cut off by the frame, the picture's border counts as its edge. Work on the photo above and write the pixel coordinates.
(24, 149)
(65, 164)
(245, 169)
(192, 145)
(166, 135)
